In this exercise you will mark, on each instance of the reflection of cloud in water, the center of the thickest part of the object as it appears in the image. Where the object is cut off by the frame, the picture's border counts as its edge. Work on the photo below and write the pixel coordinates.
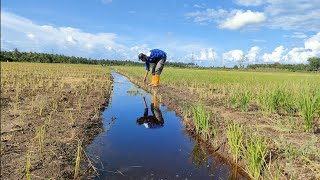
(122, 80)
(95, 153)
(119, 78)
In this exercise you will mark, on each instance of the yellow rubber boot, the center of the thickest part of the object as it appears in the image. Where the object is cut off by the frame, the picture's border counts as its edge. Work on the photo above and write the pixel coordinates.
(157, 80)
(152, 80)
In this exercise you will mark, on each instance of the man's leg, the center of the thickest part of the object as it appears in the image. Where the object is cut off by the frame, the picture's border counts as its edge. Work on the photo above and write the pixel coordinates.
(158, 71)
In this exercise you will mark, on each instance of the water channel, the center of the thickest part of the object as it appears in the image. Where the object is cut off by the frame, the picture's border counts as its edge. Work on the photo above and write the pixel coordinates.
(142, 139)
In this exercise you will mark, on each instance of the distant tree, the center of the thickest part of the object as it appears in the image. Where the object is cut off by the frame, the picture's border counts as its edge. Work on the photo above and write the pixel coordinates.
(16, 54)
(314, 63)
(235, 67)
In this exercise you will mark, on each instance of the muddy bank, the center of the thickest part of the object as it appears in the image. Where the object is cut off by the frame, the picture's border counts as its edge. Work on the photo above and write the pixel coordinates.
(65, 107)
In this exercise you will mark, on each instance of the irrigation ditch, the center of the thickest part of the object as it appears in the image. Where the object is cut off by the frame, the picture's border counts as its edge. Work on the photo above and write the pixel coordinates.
(145, 138)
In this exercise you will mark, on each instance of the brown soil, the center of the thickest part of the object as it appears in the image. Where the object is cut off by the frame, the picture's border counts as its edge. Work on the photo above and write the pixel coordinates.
(19, 126)
(177, 99)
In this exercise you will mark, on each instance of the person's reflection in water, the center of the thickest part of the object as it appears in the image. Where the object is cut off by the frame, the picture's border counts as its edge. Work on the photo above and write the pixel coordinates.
(155, 120)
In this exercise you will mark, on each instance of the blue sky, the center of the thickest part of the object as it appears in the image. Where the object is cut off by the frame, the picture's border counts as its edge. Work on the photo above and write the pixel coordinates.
(214, 33)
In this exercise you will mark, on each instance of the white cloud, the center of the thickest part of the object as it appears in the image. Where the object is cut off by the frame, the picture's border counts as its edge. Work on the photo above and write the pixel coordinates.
(234, 19)
(298, 15)
(302, 54)
(241, 19)
(253, 54)
(298, 55)
(294, 56)
(276, 56)
(238, 56)
(169, 33)
(71, 40)
(259, 40)
(199, 6)
(206, 54)
(294, 15)
(143, 48)
(106, 1)
(201, 54)
(21, 33)
(30, 36)
(233, 56)
(313, 43)
(249, 2)
(298, 35)
(209, 15)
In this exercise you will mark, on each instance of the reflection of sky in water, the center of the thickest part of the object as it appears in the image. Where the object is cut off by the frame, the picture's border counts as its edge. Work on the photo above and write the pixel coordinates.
(143, 153)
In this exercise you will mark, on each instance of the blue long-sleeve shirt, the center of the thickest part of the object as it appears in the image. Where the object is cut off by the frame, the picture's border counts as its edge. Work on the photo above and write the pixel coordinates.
(153, 56)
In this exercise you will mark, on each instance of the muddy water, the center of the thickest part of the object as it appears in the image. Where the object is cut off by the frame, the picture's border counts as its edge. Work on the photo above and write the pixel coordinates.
(144, 140)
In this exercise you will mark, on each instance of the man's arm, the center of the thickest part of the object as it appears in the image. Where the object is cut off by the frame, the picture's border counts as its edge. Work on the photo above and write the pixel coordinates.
(145, 76)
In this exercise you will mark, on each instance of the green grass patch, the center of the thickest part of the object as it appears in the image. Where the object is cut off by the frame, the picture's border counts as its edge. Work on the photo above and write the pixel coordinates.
(234, 134)
(201, 121)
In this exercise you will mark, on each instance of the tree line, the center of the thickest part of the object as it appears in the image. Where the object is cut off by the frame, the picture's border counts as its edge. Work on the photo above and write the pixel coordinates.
(313, 65)
(17, 56)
